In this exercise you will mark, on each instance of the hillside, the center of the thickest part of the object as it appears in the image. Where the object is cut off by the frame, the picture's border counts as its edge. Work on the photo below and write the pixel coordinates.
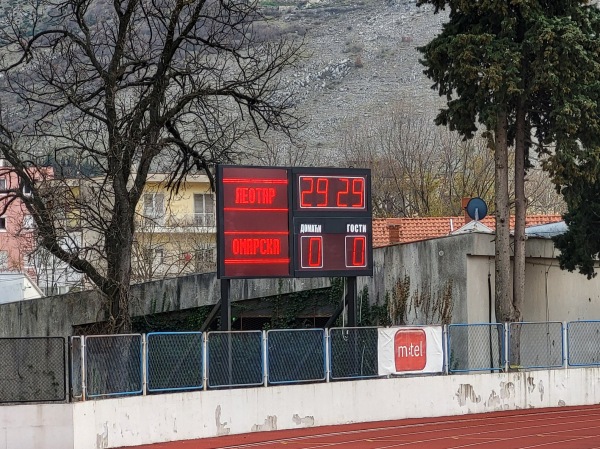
(361, 57)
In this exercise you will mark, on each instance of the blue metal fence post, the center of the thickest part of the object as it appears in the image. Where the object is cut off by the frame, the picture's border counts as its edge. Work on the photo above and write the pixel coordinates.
(565, 337)
(327, 355)
(264, 356)
(204, 360)
(506, 346)
(445, 348)
(83, 370)
(144, 365)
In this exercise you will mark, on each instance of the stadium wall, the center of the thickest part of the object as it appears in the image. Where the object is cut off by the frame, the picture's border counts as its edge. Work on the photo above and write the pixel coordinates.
(130, 421)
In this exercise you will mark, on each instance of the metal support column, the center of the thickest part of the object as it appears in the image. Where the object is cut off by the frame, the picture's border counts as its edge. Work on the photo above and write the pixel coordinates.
(225, 324)
(351, 294)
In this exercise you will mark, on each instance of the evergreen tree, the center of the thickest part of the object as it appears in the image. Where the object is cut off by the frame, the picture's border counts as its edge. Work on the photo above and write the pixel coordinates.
(526, 72)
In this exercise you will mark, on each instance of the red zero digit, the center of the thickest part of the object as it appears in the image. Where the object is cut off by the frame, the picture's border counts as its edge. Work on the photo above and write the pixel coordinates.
(358, 188)
(314, 252)
(323, 189)
(358, 252)
(343, 192)
(305, 192)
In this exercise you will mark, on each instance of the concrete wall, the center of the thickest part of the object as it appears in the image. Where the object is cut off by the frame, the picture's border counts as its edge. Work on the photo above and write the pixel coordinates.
(429, 265)
(463, 261)
(56, 315)
(40, 426)
(150, 419)
(468, 261)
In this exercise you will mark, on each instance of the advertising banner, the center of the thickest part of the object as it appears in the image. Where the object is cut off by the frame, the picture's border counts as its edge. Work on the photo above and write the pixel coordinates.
(409, 350)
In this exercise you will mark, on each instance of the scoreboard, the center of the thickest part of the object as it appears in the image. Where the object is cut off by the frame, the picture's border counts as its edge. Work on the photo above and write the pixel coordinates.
(293, 222)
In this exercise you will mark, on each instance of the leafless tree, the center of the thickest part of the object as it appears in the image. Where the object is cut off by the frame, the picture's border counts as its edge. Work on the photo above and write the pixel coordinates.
(127, 87)
(418, 169)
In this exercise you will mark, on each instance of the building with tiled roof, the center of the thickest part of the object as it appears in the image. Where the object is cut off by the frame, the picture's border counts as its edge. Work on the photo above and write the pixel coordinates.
(389, 231)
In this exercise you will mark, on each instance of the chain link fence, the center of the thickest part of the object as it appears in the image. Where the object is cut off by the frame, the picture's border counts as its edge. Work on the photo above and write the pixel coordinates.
(353, 352)
(32, 369)
(174, 361)
(535, 345)
(35, 369)
(475, 347)
(113, 365)
(235, 359)
(296, 355)
(583, 343)
(76, 357)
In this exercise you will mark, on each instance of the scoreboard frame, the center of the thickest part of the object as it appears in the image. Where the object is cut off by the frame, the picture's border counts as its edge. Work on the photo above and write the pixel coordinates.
(266, 214)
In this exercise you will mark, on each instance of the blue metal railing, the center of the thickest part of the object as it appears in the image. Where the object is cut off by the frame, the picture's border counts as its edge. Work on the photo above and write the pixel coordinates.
(296, 355)
(116, 365)
(174, 361)
(583, 343)
(475, 347)
(536, 345)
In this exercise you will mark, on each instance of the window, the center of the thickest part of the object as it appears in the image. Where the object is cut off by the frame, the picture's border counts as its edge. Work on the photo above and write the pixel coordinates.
(28, 222)
(204, 259)
(26, 190)
(204, 209)
(3, 184)
(154, 205)
(2, 223)
(3, 260)
(154, 256)
(28, 261)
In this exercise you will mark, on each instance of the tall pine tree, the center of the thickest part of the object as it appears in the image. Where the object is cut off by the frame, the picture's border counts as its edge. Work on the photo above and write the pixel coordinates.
(525, 72)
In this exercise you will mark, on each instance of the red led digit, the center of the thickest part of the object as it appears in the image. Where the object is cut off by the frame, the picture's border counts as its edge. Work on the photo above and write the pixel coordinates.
(358, 251)
(343, 192)
(358, 188)
(314, 251)
(323, 189)
(306, 192)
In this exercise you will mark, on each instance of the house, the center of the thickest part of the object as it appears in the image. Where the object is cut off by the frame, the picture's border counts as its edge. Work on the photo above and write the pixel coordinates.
(17, 231)
(17, 287)
(175, 233)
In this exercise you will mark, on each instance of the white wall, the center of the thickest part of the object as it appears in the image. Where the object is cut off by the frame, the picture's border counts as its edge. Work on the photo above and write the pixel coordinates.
(150, 419)
(16, 287)
(39, 426)
(130, 421)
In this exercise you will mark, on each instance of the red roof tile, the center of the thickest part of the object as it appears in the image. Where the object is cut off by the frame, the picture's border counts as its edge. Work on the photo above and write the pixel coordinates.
(387, 231)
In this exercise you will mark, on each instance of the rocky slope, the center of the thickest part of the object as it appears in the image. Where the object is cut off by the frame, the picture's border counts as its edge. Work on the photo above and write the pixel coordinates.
(361, 57)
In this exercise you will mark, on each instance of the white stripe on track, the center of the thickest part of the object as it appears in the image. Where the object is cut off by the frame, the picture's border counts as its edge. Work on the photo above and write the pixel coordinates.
(497, 420)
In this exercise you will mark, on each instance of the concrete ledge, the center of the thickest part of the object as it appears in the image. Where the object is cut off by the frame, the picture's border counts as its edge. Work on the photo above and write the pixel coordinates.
(151, 419)
(47, 426)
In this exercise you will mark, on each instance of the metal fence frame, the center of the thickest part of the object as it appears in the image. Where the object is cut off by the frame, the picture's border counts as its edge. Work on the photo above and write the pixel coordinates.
(76, 371)
(526, 323)
(501, 349)
(288, 382)
(113, 394)
(64, 374)
(569, 351)
(207, 364)
(331, 352)
(146, 382)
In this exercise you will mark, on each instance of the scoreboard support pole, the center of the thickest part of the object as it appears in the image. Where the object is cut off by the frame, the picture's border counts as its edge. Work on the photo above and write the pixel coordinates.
(351, 294)
(225, 324)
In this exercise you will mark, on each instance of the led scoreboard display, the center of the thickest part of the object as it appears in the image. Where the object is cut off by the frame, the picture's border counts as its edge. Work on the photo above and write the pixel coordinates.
(300, 222)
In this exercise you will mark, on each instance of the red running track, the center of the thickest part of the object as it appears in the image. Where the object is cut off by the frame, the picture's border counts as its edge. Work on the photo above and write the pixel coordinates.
(559, 428)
